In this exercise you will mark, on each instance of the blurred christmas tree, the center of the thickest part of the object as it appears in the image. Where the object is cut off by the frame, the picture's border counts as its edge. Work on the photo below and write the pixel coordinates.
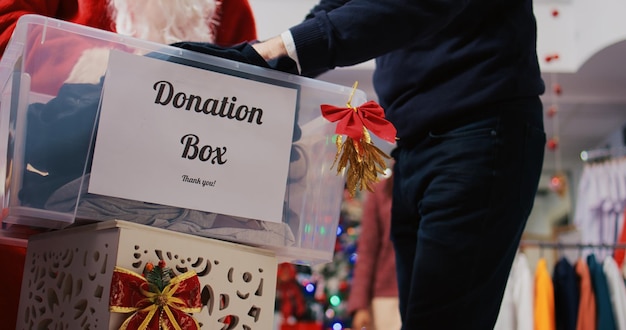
(334, 278)
(320, 294)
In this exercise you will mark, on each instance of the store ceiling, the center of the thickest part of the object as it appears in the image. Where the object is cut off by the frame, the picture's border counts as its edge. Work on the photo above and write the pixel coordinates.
(592, 105)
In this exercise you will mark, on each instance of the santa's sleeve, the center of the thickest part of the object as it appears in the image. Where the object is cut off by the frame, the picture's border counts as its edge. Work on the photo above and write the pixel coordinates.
(236, 23)
(10, 11)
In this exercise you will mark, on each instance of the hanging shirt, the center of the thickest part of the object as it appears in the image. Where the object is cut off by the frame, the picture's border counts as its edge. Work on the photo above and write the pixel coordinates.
(516, 310)
(604, 310)
(544, 298)
(617, 291)
(566, 295)
(587, 306)
(620, 253)
(600, 202)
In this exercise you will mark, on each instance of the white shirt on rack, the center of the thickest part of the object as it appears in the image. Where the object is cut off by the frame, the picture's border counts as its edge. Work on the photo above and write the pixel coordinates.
(617, 291)
(516, 311)
(600, 203)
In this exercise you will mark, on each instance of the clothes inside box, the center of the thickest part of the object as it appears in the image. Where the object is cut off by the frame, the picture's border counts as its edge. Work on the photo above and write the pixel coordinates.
(56, 154)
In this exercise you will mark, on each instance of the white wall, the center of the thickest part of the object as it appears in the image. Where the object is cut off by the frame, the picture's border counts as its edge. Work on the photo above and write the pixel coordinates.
(275, 16)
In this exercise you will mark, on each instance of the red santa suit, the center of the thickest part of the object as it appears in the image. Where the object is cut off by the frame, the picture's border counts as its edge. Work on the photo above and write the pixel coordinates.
(221, 22)
(230, 22)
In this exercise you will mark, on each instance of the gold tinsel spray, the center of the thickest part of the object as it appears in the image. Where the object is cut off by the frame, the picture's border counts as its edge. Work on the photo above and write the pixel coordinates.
(361, 159)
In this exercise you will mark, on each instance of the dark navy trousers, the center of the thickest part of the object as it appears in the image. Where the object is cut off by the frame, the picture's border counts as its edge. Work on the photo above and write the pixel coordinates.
(462, 196)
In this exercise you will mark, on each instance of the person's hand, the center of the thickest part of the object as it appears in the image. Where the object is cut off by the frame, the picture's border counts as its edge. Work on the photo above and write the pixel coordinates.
(362, 320)
(271, 49)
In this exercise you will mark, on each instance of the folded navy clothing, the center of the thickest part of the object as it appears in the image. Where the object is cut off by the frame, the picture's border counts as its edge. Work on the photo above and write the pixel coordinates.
(58, 141)
(243, 53)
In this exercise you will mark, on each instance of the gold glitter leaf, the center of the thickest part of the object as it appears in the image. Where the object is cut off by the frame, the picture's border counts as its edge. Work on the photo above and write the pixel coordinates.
(363, 162)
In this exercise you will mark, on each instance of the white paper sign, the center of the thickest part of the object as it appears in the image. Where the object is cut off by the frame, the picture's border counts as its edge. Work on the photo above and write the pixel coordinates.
(185, 137)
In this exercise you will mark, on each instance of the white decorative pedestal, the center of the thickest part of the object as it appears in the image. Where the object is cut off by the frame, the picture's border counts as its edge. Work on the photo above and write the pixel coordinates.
(67, 276)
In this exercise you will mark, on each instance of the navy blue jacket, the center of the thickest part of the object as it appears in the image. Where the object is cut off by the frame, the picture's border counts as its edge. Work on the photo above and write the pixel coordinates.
(437, 61)
(566, 295)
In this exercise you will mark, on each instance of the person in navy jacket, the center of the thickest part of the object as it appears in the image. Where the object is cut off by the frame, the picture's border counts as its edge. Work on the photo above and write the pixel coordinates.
(373, 299)
(460, 81)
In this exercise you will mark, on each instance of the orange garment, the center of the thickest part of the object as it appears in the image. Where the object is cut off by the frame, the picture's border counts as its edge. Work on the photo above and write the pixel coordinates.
(544, 298)
(587, 306)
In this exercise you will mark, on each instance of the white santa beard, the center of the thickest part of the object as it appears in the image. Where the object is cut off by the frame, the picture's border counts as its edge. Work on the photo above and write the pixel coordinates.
(163, 21)
(166, 21)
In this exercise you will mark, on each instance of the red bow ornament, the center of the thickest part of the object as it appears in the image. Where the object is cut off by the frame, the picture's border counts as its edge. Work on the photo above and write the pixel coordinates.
(362, 159)
(164, 305)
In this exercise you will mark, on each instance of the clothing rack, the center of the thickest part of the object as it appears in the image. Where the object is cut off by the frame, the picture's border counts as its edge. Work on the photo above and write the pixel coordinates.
(564, 245)
(602, 153)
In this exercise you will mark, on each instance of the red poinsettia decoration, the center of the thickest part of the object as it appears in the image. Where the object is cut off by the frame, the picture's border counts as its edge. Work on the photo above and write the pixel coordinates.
(363, 161)
(157, 300)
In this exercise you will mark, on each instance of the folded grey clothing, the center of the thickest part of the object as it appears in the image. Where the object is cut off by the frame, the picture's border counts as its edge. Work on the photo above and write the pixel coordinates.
(206, 224)
(271, 234)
